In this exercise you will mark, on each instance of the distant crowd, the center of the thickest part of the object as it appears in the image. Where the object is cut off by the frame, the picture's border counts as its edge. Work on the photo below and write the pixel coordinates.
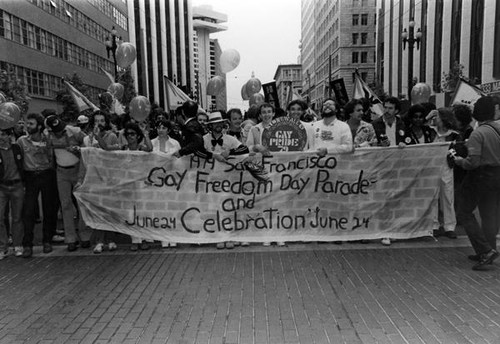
(40, 162)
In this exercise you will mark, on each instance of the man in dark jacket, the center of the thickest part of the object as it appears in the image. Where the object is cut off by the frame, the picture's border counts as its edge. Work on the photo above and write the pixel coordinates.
(11, 190)
(390, 128)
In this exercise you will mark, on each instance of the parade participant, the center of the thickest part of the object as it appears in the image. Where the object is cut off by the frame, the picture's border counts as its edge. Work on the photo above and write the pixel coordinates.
(444, 124)
(482, 184)
(66, 141)
(416, 130)
(266, 115)
(39, 177)
(235, 119)
(296, 110)
(165, 144)
(11, 191)
(390, 128)
(137, 140)
(362, 132)
(330, 134)
(202, 118)
(103, 137)
(390, 131)
(219, 143)
(82, 122)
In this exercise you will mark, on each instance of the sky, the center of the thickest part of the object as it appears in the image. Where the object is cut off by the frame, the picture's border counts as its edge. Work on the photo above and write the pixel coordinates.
(266, 33)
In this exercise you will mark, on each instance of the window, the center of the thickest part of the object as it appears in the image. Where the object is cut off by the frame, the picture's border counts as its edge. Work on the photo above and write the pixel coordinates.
(364, 57)
(355, 57)
(364, 19)
(355, 37)
(364, 37)
(355, 19)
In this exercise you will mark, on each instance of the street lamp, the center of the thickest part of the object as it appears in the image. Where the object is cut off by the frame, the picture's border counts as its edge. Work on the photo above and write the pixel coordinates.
(411, 38)
(111, 45)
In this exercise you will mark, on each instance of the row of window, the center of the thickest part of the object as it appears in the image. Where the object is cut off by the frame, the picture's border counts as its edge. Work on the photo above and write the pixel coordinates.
(20, 31)
(111, 11)
(356, 3)
(356, 36)
(356, 21)
(42, 84)
(74, 17)
(359, 57)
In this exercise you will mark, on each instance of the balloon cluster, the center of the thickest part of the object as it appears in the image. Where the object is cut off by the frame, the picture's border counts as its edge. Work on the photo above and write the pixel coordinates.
(420, 93)
(9, 113)
(250, 91)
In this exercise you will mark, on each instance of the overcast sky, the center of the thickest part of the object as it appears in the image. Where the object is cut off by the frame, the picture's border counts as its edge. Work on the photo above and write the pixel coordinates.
(266, 33)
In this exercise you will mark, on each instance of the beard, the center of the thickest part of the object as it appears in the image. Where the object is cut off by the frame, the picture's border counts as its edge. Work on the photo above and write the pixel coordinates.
(32, 131)
(329, 114)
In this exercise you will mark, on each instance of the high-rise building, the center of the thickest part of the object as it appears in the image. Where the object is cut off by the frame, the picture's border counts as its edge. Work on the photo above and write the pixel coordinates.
(338, 38)
(288, 82)
(466, 32)
(44, 40)
(163, 34)
(207, 55)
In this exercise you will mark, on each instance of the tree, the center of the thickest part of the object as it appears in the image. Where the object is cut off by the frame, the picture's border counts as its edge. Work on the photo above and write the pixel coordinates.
(14, 89)
(70, 110)
(450, 80)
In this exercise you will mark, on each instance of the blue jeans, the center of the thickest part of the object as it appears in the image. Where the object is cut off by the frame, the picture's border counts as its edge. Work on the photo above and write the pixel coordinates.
(481, 189)
(14, 194)
(66, 181)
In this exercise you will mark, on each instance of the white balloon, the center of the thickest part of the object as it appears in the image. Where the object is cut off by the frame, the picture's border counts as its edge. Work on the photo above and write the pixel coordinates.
(229, 60)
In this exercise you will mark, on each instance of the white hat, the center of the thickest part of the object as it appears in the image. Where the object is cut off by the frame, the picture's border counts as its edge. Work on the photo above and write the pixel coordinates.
(215, 117)
(82, 119)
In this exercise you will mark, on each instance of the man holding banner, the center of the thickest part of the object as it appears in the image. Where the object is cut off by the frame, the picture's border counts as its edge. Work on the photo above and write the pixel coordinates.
(330, 134)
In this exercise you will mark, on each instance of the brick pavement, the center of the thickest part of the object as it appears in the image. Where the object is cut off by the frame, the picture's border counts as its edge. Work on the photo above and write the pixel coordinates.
(412, 292)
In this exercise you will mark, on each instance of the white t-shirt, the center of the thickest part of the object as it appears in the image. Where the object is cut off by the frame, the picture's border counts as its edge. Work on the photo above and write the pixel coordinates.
(171, 145)
(228, 142)
(335, 137)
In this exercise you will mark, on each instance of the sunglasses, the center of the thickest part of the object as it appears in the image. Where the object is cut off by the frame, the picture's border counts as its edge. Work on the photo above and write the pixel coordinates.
(130, 133)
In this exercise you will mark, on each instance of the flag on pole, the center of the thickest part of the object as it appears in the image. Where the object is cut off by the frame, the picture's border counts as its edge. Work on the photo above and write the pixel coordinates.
(175, 96)
(80, 100)
(361, 90)
(466, 93)
(110, 77)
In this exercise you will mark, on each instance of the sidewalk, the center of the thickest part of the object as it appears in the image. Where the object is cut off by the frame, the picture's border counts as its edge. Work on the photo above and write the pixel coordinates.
(411, 292)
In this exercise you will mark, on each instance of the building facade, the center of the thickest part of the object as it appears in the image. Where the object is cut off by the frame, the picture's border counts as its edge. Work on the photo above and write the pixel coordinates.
(44, 40)
(163, 34)
(466, 32)
(288, 82)
(338, 38)
(207, 53)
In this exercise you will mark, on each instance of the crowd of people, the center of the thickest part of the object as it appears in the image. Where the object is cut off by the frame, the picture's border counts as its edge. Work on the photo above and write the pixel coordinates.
(42, 154)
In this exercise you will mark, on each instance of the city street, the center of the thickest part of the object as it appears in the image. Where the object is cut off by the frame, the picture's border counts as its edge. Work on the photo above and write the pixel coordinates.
(418, 291)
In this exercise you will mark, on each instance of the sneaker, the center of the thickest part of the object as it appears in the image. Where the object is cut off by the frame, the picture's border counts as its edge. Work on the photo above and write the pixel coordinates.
(486, 259)
(220, 245)
(229, 245)
(72, 247)
(47, 247)
(173, 244)
(144, 246)
(245, 243)
(27, 252)
(58, 238)
(112, 246)
(266, 244)
(450, 234)
(98, 248)
(165, 244)
(281, 243)
(18, 251)
(134, 247)
(386, 241)
(85, 244)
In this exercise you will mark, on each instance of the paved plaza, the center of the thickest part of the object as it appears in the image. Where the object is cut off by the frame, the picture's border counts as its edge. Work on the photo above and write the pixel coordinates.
(421, 291)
